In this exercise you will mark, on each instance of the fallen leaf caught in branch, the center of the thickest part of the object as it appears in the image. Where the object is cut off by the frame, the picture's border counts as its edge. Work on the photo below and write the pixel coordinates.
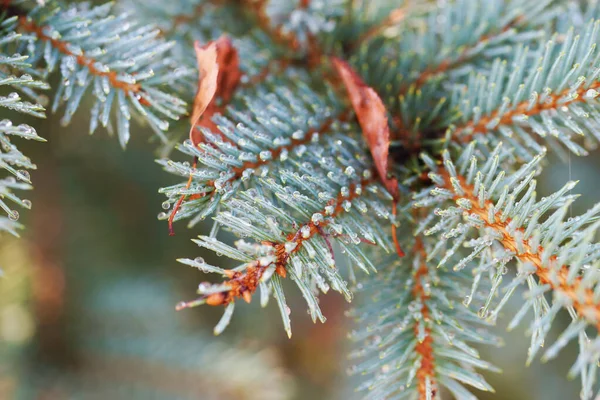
(218, 67)
(372, 117)
(373, 120)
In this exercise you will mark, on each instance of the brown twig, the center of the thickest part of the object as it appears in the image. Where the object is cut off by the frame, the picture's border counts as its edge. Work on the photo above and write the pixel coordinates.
(451, 63)
(547, 273)
(395, 16)
(244, 283)
(523, 108)
(425, 347)
(28, 25)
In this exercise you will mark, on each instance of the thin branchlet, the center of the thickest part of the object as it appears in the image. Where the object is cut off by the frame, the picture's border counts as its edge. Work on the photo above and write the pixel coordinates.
(26, 24)
(395, 17)
(424, 348)
(452, 63)
(524, 108)
(582, 298)
(243, 284)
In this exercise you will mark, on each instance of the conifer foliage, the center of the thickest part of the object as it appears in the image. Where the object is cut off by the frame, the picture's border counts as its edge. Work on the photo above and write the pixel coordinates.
(381, 148)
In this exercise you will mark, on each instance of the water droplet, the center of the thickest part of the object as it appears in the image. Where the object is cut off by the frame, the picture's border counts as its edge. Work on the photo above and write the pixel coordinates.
(305, 231)
(13, 215)
(317, 218)
(26, 203)
(290, 246)
(24, 175)
(346, 205)
(483, 312)
(467, 300)
(181, 305)
(161, 215)
(199, 260)
(265, 155)
(203, 287)
(166, 205)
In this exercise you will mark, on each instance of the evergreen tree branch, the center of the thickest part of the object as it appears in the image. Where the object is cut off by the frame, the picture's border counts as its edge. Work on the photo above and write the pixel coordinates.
(252, 152)
(425, 376)
(275, 256)
(413, 339)
(496, 215)
(547, 271)
(14, 74)
(117, 60)
(27, 25)
(553, 98)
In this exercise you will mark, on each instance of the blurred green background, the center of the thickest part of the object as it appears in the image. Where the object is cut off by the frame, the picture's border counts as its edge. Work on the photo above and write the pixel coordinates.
(87, 296)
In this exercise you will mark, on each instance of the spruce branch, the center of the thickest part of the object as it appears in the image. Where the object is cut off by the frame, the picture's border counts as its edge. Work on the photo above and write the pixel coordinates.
(14, 75)
(282, 253)
(553, 98)
(425, 377)
(281, 160)
(498, 217)
(454, 38)
(107, 55)
(413, 340)
(27, 25)
(256, 150)
(494, 35)
(581, 297)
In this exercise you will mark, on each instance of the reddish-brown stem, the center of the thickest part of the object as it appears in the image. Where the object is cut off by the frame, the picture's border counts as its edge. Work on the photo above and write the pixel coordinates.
(395, 16)
(180, 201)
(425, 347)
(280, 36)
(243, 284)
(523, 108)
(276, 32)
(451, 63)
(28, 25)
(547, 273)
(189, 17)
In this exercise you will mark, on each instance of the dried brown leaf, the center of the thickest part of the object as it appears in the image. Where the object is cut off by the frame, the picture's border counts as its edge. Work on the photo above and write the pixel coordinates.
(373, 120)
(218, 67)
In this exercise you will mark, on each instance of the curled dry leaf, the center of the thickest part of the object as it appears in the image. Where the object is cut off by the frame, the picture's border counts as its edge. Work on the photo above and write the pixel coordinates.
(373, 120)
(218, 67)
(372, 117)
(219, 70)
